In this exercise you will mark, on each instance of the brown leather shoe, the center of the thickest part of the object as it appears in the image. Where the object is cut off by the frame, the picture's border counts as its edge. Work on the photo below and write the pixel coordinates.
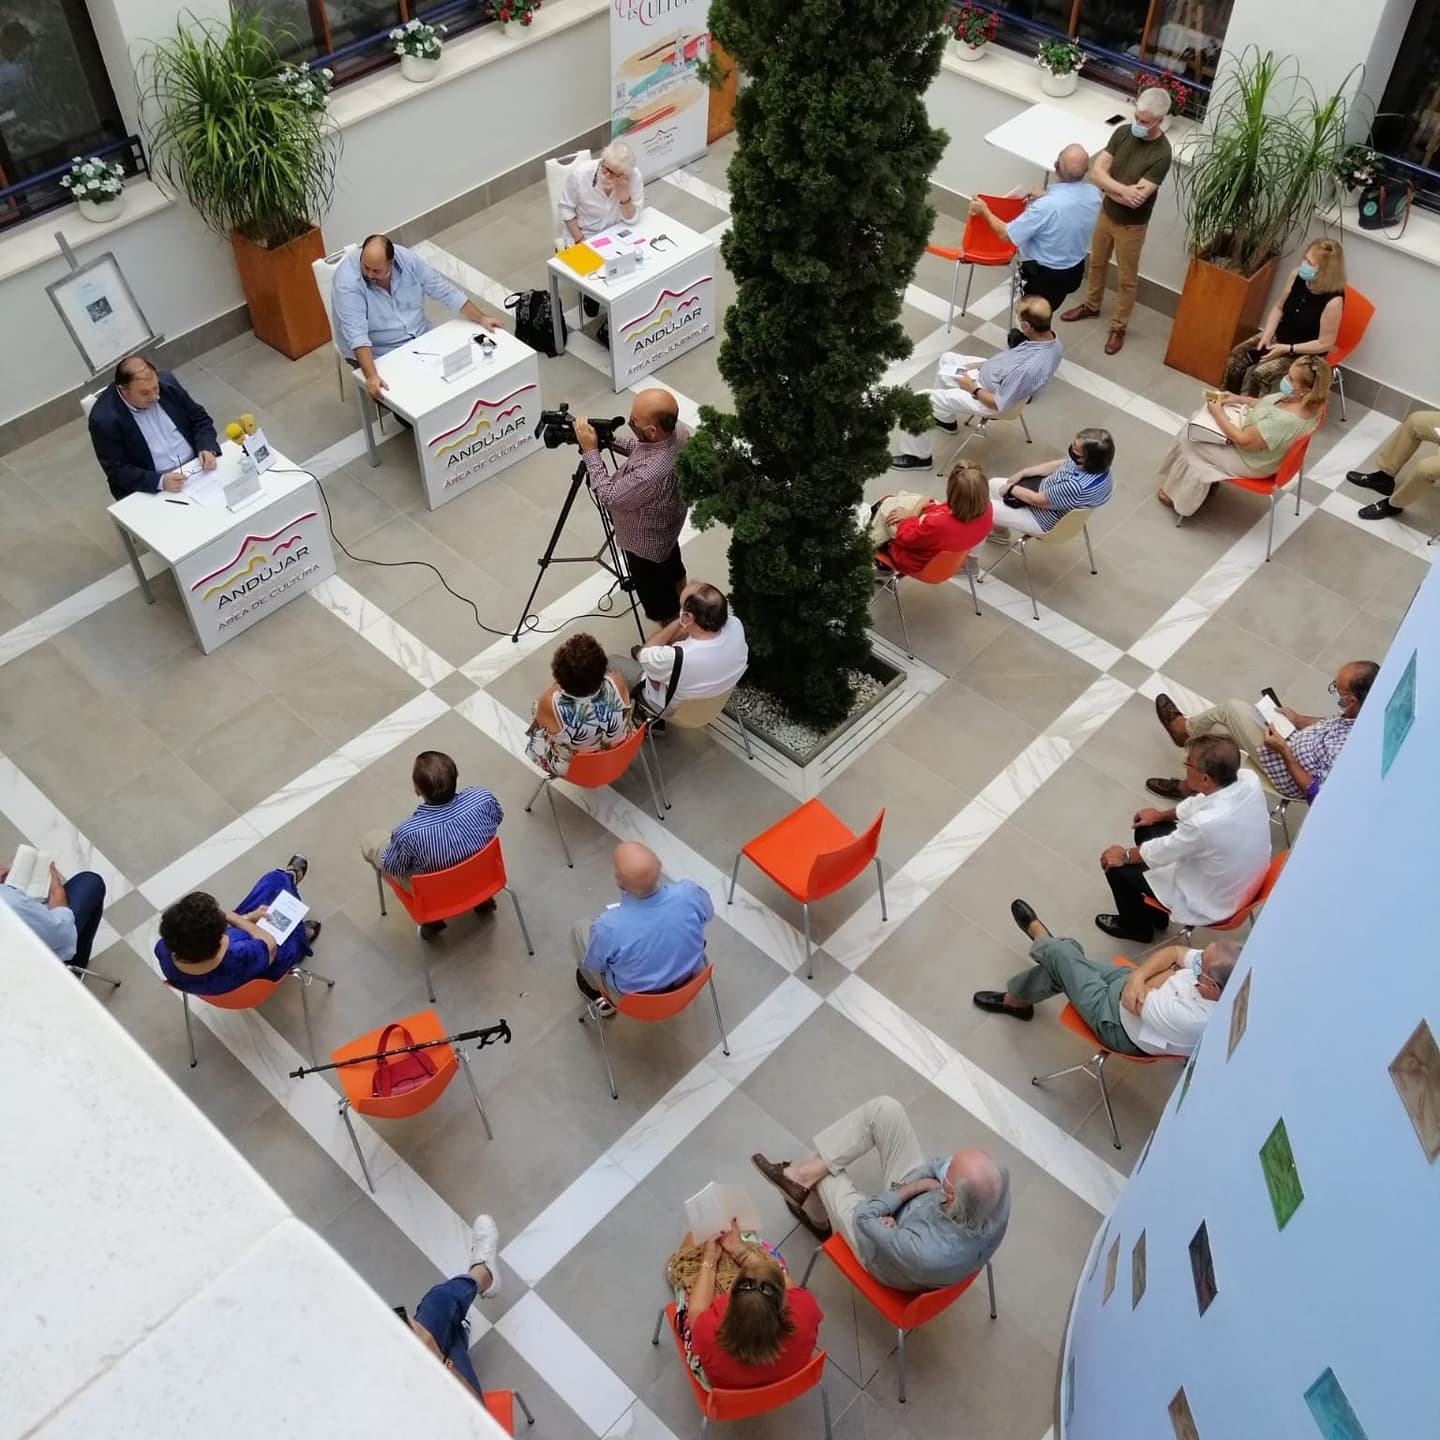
(774, 1172)
(1168, 712)
(1168, 789)
(820, 1229)
(1113, 342)
(1080, 312)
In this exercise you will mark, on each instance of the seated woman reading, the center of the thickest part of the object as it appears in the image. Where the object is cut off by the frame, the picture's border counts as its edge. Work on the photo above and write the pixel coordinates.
(587, 709)
(911, 530)
(763, 1330)
(1256, 444)
(1080, 481)
(205, 950)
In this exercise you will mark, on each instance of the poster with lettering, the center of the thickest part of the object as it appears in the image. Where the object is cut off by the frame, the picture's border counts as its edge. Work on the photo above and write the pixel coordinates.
(658, 104)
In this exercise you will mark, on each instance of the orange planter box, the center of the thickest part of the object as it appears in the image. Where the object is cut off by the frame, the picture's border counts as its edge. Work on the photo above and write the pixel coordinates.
(1218, 307)
(286, 311)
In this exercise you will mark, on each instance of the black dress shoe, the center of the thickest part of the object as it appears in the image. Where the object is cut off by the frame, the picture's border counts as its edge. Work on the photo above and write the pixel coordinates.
(1024, 915)
(486, 907)
(994, 1001)
(1168, 712)
(431, 928)
(951, 427)
(1380, 510)
(1372, 480)
(1111, 925)
(910, 462)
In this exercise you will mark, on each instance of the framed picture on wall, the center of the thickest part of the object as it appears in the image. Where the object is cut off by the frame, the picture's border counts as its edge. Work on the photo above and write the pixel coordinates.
(101, 313)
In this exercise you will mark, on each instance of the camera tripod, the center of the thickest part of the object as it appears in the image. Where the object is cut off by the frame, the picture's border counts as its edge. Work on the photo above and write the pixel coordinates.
(608, 557)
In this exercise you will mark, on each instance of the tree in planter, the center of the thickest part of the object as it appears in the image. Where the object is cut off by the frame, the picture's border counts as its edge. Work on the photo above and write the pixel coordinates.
(829, 208)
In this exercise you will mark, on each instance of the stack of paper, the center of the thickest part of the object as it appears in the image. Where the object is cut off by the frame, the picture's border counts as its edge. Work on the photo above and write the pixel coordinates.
(1272, 717)
(709, 1213)
(30, 871)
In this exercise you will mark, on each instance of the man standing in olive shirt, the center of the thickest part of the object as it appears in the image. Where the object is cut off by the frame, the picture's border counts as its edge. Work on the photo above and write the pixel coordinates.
(1128, 171)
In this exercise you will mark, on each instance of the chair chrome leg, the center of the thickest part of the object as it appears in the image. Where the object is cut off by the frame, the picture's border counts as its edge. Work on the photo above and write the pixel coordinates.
(340, 375)
(970, 576)
(904, 627)
(475, 1092)
(1299, 487)
(520, 916)
(1029, 583)
(1085, 531)
(88, 974)
(809, 954)
(380, 891)
(954, 287)
(659, 1321)
(990, 1281)
(645, 761)
(744, 733)
(901, 1334)
(1025, 428)
(355, 1141)
(825, 1407)
(429, 979)
(734, 871)
(814, 1256)
(305, 1011)
(1340, 378)
(1282, 809)
(524, 1408)
(1105, 1096)
(969, 281)
(1056, 1074)
(1270, 530)
(559, 828)
(704, 1426)
(529, 804)
(720, 1024)
(189, 1033)
(880, 880)
(605, 1051)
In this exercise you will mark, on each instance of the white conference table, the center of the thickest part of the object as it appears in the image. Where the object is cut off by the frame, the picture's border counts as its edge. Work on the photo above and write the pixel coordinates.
(471, 426)
(1040, 133)
(233, 568)
(659, 310)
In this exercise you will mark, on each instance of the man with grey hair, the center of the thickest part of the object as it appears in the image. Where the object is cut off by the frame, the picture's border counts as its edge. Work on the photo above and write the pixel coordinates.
(937, 1220)
(1053, 232)
(1159, 1007)
(600, 194)
(1128, 171)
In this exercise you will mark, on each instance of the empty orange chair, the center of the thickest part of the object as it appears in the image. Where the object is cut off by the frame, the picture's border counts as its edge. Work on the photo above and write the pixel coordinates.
(1355, 320)
(902, 1309)
(444, 894)
(253, 993)
(810, 854)
(1070, 1019)
(410, 1093)
(652, 1006)
(501, 1405)
(717, 1404)
(936, 572)
(592, 772)
(1292, 467)
(980, 245)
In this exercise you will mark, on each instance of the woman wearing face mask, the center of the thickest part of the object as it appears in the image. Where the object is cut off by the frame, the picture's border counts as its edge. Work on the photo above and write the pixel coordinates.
(1304, 321)
(1256, 446)
(1080, 480)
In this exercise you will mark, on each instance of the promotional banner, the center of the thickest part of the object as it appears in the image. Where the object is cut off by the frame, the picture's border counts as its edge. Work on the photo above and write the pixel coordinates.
(658, 105)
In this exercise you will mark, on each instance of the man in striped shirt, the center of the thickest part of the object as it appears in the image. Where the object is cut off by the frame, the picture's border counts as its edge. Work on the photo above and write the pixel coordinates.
(448, 826)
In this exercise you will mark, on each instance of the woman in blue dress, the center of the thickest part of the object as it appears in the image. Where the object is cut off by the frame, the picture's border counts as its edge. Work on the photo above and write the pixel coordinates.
(205, 950)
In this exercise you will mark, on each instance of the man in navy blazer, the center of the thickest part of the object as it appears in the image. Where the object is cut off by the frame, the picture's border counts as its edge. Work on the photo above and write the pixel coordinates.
(145, 426)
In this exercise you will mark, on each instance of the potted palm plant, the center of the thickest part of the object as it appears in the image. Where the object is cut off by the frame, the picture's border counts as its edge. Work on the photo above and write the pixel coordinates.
(247, 140)
(1248, 182)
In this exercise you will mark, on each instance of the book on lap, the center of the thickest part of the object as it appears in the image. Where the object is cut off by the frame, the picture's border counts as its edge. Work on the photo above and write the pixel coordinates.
(30, 871)
(286, 912)
(710, 1212)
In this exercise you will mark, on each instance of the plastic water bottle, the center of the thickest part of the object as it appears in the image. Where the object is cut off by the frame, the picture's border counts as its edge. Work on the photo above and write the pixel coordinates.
(249, 472)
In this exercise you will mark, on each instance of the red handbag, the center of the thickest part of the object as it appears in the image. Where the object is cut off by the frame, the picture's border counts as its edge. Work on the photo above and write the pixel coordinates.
(395, 1076)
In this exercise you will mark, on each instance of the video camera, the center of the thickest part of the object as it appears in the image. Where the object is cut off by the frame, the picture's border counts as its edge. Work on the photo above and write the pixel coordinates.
(557, 427)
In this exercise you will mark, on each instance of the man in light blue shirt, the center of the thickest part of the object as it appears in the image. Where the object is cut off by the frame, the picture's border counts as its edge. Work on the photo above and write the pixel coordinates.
(653, 940)
(379, 302)
(1053, 232)
(67, 918)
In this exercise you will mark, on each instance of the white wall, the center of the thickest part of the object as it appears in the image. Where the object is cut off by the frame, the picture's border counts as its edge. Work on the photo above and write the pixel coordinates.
(1343, 967)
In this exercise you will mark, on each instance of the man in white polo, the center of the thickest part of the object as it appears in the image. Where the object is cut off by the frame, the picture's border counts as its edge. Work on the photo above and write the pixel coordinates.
(701, 654)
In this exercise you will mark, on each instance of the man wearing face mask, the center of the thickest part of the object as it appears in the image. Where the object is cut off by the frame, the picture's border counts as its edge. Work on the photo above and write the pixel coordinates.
(1296, 767)
(1159, 1007)
(642, 499)
(1128, 171)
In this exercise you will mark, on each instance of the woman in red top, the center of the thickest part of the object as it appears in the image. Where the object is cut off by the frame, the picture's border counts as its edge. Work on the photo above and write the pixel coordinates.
(762, 1331)
(919, 529)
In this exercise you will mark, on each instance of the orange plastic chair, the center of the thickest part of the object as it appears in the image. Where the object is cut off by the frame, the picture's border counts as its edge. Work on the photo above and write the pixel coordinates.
(936, 572)
(1258, 897)
(653, 1006)
(253, 993)
(444, 894)
(979, 245)
(501, 1405)
(903, 1309)
(357, 1081)
(1292, 467)
(592, 772)
(810, 854)
(1355, 320)
(1070, 1019)
(718, 1404)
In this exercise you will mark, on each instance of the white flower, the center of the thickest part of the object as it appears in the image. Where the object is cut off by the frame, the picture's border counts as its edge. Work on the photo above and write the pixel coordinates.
(66, 181)
(412, 24)
(396, 33)
(328, 74)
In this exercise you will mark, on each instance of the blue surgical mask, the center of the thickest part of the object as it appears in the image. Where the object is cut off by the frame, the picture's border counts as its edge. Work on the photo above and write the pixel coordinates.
(1193, 959)
(1307, 271)
(1286, 388)
(1139, 131)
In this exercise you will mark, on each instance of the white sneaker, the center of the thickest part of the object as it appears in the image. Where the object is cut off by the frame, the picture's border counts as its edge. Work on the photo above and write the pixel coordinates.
(485, 1250)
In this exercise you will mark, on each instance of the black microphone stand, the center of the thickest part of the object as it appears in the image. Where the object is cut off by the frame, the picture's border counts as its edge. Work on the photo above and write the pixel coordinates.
(488, 1035)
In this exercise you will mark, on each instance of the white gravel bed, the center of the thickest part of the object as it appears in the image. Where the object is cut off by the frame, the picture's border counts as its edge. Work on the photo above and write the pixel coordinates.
(764, 714)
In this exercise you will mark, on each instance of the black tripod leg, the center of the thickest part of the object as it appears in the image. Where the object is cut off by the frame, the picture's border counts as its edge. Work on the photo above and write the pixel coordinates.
(576, 481)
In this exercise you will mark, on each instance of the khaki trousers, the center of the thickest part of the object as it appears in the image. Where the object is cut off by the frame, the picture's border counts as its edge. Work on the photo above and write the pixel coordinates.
(880, 1124)
(372, 846)
(1235, 718)
(1126, 242)
(1418, 428)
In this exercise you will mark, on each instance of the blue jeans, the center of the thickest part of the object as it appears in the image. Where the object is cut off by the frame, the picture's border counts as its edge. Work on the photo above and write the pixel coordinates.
(85, 895)
(442, 1313)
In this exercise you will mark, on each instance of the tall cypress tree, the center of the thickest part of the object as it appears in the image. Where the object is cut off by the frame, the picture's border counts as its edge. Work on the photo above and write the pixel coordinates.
(829, 202)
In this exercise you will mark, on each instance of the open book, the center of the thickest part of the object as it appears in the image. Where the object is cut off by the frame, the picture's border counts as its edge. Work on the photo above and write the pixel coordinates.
(286, 912)
(709, 1213)
(1272, 716)
(30, 871)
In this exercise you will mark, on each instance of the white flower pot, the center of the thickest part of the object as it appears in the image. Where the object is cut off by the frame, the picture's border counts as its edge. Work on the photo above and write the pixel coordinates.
(509, 29)
(99, 214)
(962, 51)
(1057, 85)
(419, 68)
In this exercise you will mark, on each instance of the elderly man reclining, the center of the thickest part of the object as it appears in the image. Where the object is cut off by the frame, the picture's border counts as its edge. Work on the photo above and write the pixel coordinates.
(1160, 1007)
(936, 1221)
